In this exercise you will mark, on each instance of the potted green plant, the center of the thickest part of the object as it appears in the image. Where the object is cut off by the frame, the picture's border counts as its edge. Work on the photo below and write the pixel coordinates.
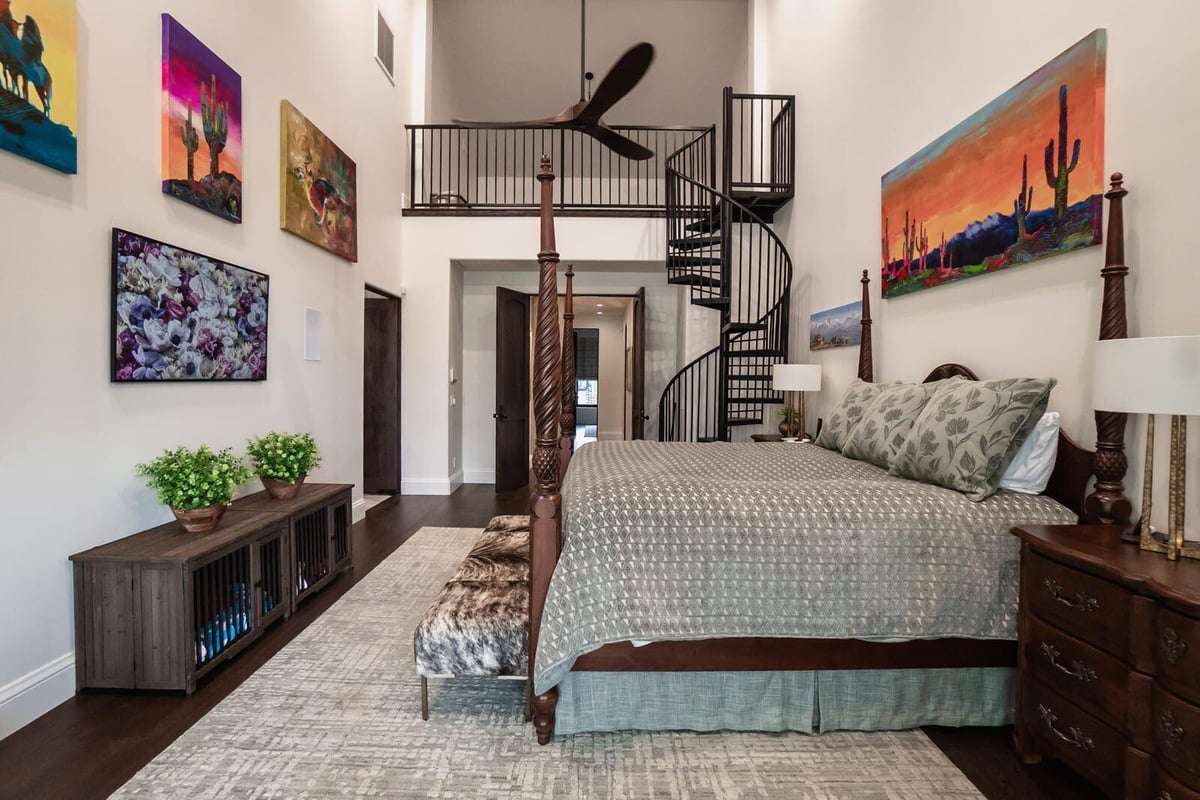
(282, 460)
(197, 485)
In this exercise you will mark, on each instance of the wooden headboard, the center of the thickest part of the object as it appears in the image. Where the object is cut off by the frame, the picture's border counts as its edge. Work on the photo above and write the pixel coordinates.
(1075, 465)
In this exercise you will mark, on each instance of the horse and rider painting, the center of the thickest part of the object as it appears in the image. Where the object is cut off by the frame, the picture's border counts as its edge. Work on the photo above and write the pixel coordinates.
(38, 81)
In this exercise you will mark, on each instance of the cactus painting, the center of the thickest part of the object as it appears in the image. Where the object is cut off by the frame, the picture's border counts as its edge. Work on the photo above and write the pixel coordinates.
(972, 188)
(202, 115)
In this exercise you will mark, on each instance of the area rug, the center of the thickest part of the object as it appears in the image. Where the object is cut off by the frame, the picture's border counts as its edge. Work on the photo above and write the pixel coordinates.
(336, 713)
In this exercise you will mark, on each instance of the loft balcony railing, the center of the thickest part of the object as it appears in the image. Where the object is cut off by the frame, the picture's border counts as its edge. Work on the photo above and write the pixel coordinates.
(461, 170)
(760, 144)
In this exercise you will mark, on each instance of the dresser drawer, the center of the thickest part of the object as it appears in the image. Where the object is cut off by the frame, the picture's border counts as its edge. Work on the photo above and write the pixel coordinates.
(1088, 608)
(1177, 653)
(1090, 678)
(1171, 788)
(1063, 731)
(1176, 731)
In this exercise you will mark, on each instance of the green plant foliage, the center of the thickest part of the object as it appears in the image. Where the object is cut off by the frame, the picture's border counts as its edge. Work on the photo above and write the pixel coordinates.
(187, 479)
(285, 457)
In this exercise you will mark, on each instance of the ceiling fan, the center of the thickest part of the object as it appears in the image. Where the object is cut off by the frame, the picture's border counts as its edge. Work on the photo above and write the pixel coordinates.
(585, 116)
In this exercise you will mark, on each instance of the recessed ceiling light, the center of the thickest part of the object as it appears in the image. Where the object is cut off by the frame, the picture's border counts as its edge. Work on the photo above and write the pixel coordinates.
(599, 305)
(599, 313)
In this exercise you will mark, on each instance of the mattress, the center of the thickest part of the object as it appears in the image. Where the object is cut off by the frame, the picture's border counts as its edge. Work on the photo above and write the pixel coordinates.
(678, 541)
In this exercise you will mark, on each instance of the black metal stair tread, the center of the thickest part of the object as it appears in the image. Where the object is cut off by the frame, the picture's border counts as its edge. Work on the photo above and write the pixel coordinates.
(693, 261)
(752, 197)
(694, 242)
(757, 399)
(711, 302)
(744, 420)
(707, 439)
(756, 353)
(739, 327)
(694, 279)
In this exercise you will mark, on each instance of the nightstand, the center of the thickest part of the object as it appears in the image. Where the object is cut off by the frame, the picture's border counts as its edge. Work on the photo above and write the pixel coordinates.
(1109, 661)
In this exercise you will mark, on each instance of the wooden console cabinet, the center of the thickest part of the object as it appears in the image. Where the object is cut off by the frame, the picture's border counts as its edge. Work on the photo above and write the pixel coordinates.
(161, 608)
(1109, 661)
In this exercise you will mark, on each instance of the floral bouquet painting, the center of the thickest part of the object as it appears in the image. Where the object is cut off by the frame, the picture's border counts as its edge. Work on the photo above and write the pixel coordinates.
(181, 316)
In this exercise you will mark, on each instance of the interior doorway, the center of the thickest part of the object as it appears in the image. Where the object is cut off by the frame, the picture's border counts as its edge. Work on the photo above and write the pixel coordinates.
(381, 393)
(610, 359)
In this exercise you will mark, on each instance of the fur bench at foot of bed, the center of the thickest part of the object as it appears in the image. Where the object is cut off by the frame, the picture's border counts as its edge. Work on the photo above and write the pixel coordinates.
(479, 623)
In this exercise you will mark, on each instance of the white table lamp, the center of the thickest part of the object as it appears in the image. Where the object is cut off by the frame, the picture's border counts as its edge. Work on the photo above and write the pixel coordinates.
(798, 379)
(1154, 375)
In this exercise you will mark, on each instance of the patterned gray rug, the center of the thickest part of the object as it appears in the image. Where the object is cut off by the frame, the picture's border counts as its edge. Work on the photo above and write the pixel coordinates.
(336, 713)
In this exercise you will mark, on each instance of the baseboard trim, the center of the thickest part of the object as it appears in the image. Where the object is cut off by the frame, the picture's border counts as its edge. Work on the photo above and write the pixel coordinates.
(479, 476)
(359, 509)
(430, 486)
(456, 481)
(33, 694)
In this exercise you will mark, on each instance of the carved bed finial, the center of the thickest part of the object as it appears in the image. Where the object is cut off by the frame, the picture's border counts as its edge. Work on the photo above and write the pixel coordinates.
(1108, 503)
(866, 364)
(567, 423)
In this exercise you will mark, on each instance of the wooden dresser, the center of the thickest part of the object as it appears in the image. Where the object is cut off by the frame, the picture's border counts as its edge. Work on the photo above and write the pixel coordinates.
(1109, 661)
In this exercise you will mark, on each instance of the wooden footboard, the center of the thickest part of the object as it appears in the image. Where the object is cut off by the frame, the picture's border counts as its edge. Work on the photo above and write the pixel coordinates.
(554, 384)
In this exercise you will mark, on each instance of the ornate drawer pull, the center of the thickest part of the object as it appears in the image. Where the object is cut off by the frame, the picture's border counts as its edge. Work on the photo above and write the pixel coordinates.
(1172, 733)
(1077, 670)
(1076, 737)
(1174, 646)
(1081, 602)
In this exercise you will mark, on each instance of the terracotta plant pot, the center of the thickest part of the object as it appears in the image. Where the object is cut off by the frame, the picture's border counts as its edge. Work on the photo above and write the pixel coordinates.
(281, 490)
(200, 520)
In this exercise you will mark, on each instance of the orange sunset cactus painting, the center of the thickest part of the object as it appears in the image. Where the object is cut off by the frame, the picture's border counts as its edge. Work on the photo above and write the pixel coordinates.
(1018, 180)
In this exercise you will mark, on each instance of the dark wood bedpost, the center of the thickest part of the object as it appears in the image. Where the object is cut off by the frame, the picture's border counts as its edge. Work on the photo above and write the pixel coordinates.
(566, 442)
(545, 504)
(866, 364)
(1108, 503)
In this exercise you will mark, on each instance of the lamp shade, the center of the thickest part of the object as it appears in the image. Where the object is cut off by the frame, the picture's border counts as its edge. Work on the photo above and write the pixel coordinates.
(796, 377)
(1153, 375)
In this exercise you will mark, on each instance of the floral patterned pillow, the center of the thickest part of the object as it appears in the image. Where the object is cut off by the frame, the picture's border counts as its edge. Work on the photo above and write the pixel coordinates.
(847, 414)
(885, 423)
(970, 431)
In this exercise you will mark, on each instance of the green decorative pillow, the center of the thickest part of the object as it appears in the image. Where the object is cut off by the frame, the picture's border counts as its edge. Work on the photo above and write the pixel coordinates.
(885, 423)
(969, 431)
(847, 414)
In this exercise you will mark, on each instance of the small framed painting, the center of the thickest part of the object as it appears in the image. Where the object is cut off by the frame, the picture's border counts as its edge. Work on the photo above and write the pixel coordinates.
(836, 327)
(178, 315)
(319, 200)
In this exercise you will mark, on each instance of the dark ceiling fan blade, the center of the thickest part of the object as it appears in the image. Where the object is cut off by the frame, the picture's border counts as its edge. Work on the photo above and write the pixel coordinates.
(618, 143)
(523, 123)
(620, 80)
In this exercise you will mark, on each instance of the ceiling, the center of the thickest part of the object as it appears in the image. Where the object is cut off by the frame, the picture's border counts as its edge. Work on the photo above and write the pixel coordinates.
(519, 59)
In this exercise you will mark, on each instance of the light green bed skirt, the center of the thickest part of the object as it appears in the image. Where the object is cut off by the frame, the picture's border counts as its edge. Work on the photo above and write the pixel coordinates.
(808, 702)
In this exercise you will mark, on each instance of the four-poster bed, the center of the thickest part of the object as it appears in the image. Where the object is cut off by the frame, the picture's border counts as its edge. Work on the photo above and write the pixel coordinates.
(553, 389)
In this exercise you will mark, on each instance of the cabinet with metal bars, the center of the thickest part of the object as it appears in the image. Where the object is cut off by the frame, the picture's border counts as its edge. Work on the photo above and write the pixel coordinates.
(162, 608)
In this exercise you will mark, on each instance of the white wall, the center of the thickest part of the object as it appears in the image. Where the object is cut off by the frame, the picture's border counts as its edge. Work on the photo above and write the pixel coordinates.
(69, 438)
(866, 101)
(481, 48)
(479, 349)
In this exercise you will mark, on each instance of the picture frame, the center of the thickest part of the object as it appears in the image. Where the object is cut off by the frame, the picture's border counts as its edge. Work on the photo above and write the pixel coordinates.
(181, 316)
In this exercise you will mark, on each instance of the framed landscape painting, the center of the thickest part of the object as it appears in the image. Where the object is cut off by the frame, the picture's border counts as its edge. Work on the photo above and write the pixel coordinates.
(836, 327)
(181, 316)
(39, 82)
(1019, 180)
(202, 124)
(318, 190)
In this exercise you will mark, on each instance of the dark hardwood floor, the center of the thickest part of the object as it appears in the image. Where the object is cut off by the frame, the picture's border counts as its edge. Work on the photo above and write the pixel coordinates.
(90, 745)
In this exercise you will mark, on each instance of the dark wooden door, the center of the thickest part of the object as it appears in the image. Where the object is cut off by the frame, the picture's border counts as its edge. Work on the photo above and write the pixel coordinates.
(512, 389)
(638, 366)
(381, 395)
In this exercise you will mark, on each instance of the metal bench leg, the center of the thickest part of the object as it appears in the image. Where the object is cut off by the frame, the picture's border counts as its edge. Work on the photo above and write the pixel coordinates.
(424, 698)
(528, 700)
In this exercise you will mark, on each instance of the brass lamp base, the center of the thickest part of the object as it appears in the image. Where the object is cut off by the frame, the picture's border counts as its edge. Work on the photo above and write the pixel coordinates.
(1173, 542)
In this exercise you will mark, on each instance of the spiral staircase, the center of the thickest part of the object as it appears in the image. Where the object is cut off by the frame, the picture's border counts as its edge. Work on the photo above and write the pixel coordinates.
(720, 245)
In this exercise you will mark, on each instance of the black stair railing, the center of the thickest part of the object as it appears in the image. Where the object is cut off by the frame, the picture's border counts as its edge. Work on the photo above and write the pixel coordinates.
(720, 245)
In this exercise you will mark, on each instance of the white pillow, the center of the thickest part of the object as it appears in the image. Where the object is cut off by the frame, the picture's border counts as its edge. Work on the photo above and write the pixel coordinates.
(1030, 469)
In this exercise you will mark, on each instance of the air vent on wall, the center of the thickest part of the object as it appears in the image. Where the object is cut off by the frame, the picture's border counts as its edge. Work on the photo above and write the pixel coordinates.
(385, 47)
